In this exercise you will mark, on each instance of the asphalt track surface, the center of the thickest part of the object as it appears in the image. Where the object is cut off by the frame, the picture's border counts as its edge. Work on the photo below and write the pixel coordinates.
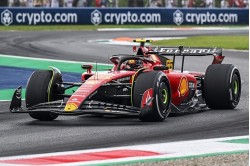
(19, 134)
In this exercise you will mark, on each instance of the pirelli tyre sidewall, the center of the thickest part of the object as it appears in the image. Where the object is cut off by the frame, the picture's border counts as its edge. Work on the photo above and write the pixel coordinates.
(37, 92)
(222, 86)
(159, 108)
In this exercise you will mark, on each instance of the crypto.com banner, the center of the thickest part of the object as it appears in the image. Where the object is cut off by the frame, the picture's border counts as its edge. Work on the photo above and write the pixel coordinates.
(97, 16)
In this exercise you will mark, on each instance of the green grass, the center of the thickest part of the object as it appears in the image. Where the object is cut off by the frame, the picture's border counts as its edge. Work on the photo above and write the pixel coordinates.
(226, 42)
(6, 94)
(89, 27)
(238, 141)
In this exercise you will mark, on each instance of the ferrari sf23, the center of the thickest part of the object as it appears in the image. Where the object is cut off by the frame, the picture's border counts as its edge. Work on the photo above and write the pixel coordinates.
(145, 85)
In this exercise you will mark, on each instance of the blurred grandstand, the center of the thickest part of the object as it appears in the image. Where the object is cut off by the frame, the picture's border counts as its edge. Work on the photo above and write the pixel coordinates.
(128, 3)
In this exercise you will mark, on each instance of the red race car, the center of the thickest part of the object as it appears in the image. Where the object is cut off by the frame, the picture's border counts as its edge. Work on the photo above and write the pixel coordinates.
(144, 85)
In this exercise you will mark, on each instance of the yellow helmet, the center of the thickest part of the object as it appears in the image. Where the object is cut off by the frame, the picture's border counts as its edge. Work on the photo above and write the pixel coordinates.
(134, 64)
(131, 62)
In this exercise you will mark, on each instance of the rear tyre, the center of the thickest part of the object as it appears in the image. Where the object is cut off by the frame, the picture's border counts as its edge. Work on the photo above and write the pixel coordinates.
(37, 92)
(158, 109)
(222, 86)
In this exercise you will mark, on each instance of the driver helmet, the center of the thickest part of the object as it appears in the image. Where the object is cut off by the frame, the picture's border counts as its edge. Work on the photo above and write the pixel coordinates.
(134, 64)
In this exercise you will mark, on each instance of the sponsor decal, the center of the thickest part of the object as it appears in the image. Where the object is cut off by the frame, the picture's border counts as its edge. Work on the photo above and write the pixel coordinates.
(104, 76)
(124, 17)
(191, 85)
(147, 98)
(86, 86)
(159, 79)
(6, 17)
(123, 79)
(190, 50)
(92, 82)
(37, 17)
(178, 17)
(70, 107)
(83, 90)
(183, 86)
(208, 17)
(78, 95)
(75, 100)
(43, 16)
(96, 17)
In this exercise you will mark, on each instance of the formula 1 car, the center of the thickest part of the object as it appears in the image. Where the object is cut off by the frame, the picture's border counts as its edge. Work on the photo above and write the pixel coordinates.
(145, 85)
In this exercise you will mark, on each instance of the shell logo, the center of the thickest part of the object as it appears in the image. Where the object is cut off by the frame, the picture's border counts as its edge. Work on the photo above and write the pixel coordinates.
(183, 86)
(70, 107)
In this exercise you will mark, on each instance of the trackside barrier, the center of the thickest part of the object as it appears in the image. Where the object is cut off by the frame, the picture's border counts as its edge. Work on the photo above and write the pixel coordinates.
(97, 16)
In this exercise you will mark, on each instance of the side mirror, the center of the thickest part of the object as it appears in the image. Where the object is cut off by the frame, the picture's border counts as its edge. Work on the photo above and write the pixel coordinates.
(160, 68)
(88, 67)
(134, 48)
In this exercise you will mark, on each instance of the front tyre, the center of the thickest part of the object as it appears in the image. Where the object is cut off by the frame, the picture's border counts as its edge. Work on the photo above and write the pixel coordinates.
(222, 86)
(40, 89)
(152, 93)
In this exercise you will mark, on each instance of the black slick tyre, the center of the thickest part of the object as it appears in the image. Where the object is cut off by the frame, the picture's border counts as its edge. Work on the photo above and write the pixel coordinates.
(158, 110)
(37, 92)
(222, 86)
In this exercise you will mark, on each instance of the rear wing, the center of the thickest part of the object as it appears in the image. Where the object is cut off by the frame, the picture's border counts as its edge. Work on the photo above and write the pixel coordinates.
(190, 51)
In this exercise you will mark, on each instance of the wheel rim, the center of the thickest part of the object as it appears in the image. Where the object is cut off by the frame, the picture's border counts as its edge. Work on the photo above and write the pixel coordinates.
(164, 96)
(236, 87)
